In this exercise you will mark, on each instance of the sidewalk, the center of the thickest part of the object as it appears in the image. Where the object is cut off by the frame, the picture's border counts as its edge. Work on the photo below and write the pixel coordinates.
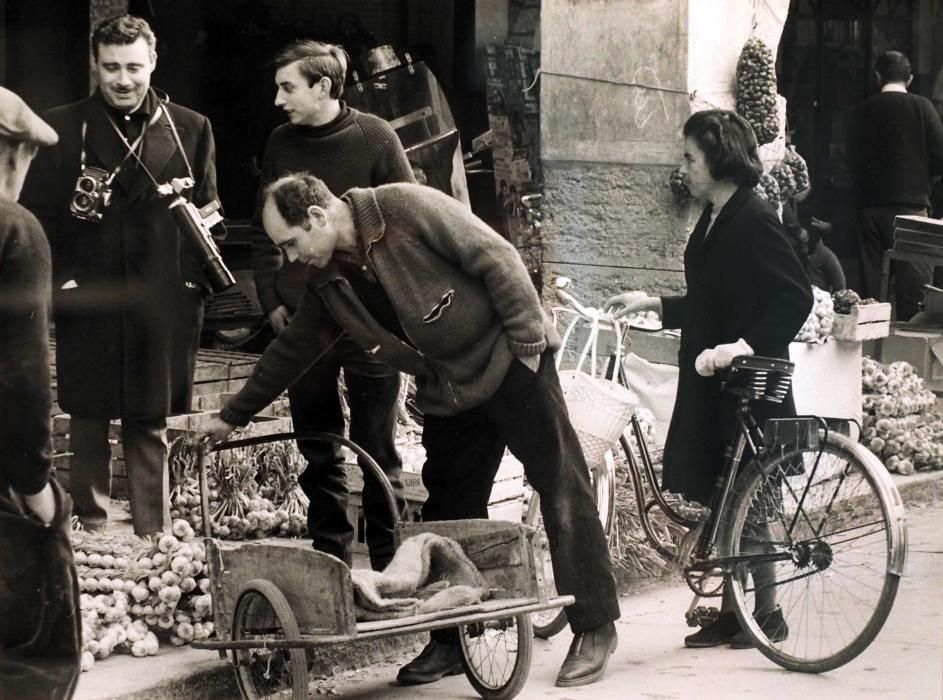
(904, 661)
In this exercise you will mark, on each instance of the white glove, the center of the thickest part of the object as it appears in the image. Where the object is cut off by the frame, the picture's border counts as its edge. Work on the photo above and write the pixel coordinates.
(720, 357)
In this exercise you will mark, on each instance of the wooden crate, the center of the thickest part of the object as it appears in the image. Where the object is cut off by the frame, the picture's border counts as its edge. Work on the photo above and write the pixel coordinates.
(865, 322)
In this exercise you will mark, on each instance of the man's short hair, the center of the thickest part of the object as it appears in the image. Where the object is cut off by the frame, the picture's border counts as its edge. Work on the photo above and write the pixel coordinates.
(729, 145)
(317, 60)
(124, 29)
(294, 193)
(893, 67)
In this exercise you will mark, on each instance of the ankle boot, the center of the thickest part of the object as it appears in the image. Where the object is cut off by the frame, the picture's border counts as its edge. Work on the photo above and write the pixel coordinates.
(720, 631)
(589, 653)
(436, 660)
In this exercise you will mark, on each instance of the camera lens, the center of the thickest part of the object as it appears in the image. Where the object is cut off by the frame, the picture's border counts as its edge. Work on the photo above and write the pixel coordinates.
(82, 202)
(87, 184)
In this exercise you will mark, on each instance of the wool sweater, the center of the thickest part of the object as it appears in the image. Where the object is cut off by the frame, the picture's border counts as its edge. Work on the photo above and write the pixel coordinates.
(25, 394)
(353, 150)
(461, 293)
(895, 145)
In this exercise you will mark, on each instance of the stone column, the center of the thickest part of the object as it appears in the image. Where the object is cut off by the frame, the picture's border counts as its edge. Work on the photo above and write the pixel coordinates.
(618, 80)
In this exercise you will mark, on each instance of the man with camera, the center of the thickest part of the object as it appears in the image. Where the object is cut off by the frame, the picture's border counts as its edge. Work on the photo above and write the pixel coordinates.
(128, 282)
(346, 148)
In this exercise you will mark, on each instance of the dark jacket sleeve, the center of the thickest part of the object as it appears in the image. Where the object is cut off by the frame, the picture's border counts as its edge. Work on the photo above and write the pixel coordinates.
(42, 194)
(779, 283)
(300, 345)
(25, 394)
(672, 311)
(266, 256)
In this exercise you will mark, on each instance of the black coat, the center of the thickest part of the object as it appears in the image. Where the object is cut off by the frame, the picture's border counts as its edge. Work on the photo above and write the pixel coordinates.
(743, 281)
(128, 333)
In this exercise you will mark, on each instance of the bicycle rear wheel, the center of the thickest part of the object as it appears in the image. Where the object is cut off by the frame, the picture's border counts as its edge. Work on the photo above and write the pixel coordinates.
(835, 518)
(548, 623)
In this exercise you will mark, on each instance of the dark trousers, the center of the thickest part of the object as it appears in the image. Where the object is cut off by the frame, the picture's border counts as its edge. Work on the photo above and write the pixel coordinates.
(144, 443)
(527, 415)
(372, 393)
(876, 235)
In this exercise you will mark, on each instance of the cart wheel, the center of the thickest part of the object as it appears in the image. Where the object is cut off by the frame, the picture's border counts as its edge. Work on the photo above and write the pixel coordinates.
(496, 655)
(262, 613)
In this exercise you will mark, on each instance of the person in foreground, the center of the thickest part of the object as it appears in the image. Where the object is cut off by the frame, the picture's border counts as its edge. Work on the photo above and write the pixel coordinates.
(40, 629)
(428, 288)
(746, 294)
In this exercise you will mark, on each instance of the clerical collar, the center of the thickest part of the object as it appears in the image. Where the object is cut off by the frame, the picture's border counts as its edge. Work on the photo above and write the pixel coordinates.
(894, 87)
(144, 111)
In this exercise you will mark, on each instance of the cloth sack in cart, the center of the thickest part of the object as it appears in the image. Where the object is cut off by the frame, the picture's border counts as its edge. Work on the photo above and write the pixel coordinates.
(600, 409)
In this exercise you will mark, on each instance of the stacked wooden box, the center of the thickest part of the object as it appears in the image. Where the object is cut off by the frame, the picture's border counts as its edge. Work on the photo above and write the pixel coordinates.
(218, 374)
(919, 234)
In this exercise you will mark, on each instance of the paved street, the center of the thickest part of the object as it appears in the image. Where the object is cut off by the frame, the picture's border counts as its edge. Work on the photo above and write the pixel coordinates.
(904, 662)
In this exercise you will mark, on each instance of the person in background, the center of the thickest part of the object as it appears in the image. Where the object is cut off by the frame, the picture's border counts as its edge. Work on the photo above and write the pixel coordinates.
(431, 290)
(895, 146)
(746, 294)
(128, 287)
(821, 265)
(345, 148)
(40, 626)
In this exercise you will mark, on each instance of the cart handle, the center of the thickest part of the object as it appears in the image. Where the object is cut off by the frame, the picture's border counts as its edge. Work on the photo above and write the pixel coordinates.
(366, 460)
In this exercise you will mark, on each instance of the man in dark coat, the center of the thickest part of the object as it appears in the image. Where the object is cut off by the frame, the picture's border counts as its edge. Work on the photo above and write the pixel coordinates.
(895, 145)
(129, 289)
(40, 637)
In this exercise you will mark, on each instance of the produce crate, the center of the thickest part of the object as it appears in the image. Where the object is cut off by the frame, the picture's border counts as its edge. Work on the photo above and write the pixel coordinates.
(865, 322)
(921, 348)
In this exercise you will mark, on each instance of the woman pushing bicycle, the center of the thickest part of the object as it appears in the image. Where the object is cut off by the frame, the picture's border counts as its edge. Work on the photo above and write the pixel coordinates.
(746, 294)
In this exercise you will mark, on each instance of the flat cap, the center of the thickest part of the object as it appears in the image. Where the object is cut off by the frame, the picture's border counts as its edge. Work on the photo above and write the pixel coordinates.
(19, 123)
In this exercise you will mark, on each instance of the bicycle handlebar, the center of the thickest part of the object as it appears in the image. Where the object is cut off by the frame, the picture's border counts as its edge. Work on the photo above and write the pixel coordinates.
(587, 313)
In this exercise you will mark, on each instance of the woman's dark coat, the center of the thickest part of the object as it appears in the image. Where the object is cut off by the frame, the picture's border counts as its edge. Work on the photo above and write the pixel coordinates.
(128, 323)
(743, 281)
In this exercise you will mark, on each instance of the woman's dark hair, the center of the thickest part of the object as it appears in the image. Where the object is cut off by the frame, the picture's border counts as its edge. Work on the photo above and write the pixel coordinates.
(728, 143)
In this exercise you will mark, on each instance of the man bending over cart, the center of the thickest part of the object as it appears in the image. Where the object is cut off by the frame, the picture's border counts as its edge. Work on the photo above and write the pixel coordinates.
(428, 288)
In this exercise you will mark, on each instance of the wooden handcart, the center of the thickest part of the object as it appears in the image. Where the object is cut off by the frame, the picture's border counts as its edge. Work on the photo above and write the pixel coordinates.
(275, 600)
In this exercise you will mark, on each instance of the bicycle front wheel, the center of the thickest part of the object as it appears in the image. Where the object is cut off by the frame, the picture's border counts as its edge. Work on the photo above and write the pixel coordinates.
(832, 523)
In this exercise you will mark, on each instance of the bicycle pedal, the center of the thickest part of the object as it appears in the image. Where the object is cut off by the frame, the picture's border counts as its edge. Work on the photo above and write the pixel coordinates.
(702, 616)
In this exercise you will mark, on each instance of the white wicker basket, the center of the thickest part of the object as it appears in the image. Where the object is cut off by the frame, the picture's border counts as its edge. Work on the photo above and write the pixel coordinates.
(599, 411)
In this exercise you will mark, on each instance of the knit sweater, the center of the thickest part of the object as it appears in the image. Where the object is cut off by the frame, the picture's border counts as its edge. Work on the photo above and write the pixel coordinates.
(895, 145)
(25, 394)
(460, 291)
(354, 150)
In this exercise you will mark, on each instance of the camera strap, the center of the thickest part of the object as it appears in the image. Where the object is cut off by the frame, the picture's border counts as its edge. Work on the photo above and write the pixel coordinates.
(132, 147)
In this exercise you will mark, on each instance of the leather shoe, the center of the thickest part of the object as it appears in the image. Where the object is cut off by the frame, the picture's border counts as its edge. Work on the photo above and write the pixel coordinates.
(589, 653)
(773, 625)
(436, 660)
(720, 631)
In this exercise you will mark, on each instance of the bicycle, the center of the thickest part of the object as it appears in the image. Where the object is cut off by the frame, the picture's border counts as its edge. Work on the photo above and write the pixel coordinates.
(799, 510)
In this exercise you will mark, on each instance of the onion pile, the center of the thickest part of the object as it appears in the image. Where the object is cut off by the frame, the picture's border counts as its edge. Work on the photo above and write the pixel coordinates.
(818, 326)
(800, 170)
(253, 491)
(900, 425)
(133, 589)
(768, 189)
(756, 90)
